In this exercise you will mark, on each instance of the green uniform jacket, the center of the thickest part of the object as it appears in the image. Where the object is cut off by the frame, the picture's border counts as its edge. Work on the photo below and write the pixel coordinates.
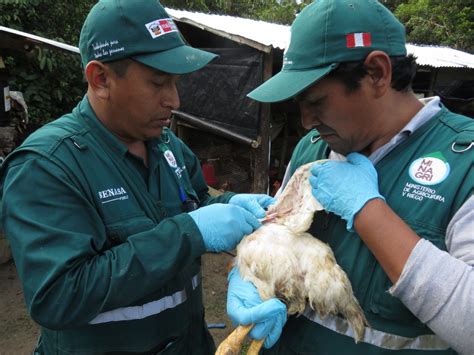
(425, 181)
(108, 260)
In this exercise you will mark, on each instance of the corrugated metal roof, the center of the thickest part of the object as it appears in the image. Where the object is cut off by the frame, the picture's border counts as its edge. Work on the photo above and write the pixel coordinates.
(39, 40)
(264, 35)
(441, 57)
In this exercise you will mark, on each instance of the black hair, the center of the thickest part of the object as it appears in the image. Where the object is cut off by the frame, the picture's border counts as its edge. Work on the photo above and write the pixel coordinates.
(351, 73)
(119, 67)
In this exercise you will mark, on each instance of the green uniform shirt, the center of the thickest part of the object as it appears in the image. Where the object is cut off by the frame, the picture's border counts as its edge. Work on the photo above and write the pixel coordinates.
(108, 260)
(425, 180)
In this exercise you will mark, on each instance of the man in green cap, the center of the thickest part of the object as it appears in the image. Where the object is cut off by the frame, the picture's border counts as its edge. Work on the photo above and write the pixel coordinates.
(101, 205)
(397, 190)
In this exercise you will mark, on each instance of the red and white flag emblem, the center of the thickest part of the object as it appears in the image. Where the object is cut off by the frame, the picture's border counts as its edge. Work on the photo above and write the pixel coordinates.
(167, 25)
(161, 27)
(360, 39)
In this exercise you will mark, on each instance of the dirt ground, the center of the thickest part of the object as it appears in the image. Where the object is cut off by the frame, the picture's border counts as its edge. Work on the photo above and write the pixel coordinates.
(18, 333)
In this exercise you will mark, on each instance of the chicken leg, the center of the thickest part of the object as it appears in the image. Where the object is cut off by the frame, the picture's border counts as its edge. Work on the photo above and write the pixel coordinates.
(233, 343)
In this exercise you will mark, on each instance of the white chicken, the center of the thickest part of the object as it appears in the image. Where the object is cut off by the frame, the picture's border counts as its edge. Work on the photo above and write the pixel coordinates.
(284, 261)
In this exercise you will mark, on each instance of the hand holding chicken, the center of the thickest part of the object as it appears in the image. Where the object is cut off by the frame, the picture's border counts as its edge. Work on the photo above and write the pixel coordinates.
(284, 262)
(344, 187)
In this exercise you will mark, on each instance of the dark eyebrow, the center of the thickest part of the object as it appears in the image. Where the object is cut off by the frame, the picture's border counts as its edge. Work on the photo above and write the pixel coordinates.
(158, 72)
(307, 97)
(160, 77)
(300, 97)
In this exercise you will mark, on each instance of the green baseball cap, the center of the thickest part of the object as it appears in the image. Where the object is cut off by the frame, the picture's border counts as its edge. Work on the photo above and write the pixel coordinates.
(140, 30)
(328, 32)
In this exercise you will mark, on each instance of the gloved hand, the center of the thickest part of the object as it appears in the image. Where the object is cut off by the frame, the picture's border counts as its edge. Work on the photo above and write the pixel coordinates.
(223, 226)
(254, 203)
(344, 187)
(244, 306)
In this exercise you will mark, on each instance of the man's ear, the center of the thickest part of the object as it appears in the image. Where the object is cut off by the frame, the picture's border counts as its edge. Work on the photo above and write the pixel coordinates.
(98, 78)
(380, 71)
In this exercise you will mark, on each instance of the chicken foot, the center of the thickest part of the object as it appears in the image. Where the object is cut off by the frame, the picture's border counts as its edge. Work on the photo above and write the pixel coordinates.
(233, 343)
(255, 347)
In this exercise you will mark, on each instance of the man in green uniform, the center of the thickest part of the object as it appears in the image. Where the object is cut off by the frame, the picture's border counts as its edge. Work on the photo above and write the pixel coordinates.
(398, 190)
(101, 205)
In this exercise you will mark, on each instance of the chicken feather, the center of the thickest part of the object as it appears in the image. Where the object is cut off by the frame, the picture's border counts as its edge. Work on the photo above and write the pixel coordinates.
(284, 261)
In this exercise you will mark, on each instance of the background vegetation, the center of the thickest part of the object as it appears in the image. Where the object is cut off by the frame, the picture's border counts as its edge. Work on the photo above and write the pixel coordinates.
(52, 81)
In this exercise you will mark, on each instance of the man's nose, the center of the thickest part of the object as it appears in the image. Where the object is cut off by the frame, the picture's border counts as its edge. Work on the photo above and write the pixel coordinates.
(309, 119)
(171, 97)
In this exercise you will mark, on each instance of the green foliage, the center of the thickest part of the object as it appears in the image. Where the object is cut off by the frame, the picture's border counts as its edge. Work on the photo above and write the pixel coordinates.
(391, 4)
(189, 5)
(440, 22)
(277, 11)
(283, 12)
(51, 80)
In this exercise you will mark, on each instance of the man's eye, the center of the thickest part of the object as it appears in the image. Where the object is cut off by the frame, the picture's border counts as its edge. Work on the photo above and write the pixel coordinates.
(315, 104)
(310, 103)
(158, 84)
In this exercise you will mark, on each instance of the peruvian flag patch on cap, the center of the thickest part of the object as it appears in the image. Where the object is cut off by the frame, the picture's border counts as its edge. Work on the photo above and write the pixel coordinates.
(361, 39)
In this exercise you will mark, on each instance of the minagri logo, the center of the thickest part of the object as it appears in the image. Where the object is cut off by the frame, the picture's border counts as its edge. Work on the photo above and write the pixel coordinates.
(431, 169)
(113, 194)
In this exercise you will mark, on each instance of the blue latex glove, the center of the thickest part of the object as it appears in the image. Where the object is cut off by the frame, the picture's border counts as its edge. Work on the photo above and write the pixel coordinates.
(254, 203)
(244, 306)
(223, 226)
(344, 187)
